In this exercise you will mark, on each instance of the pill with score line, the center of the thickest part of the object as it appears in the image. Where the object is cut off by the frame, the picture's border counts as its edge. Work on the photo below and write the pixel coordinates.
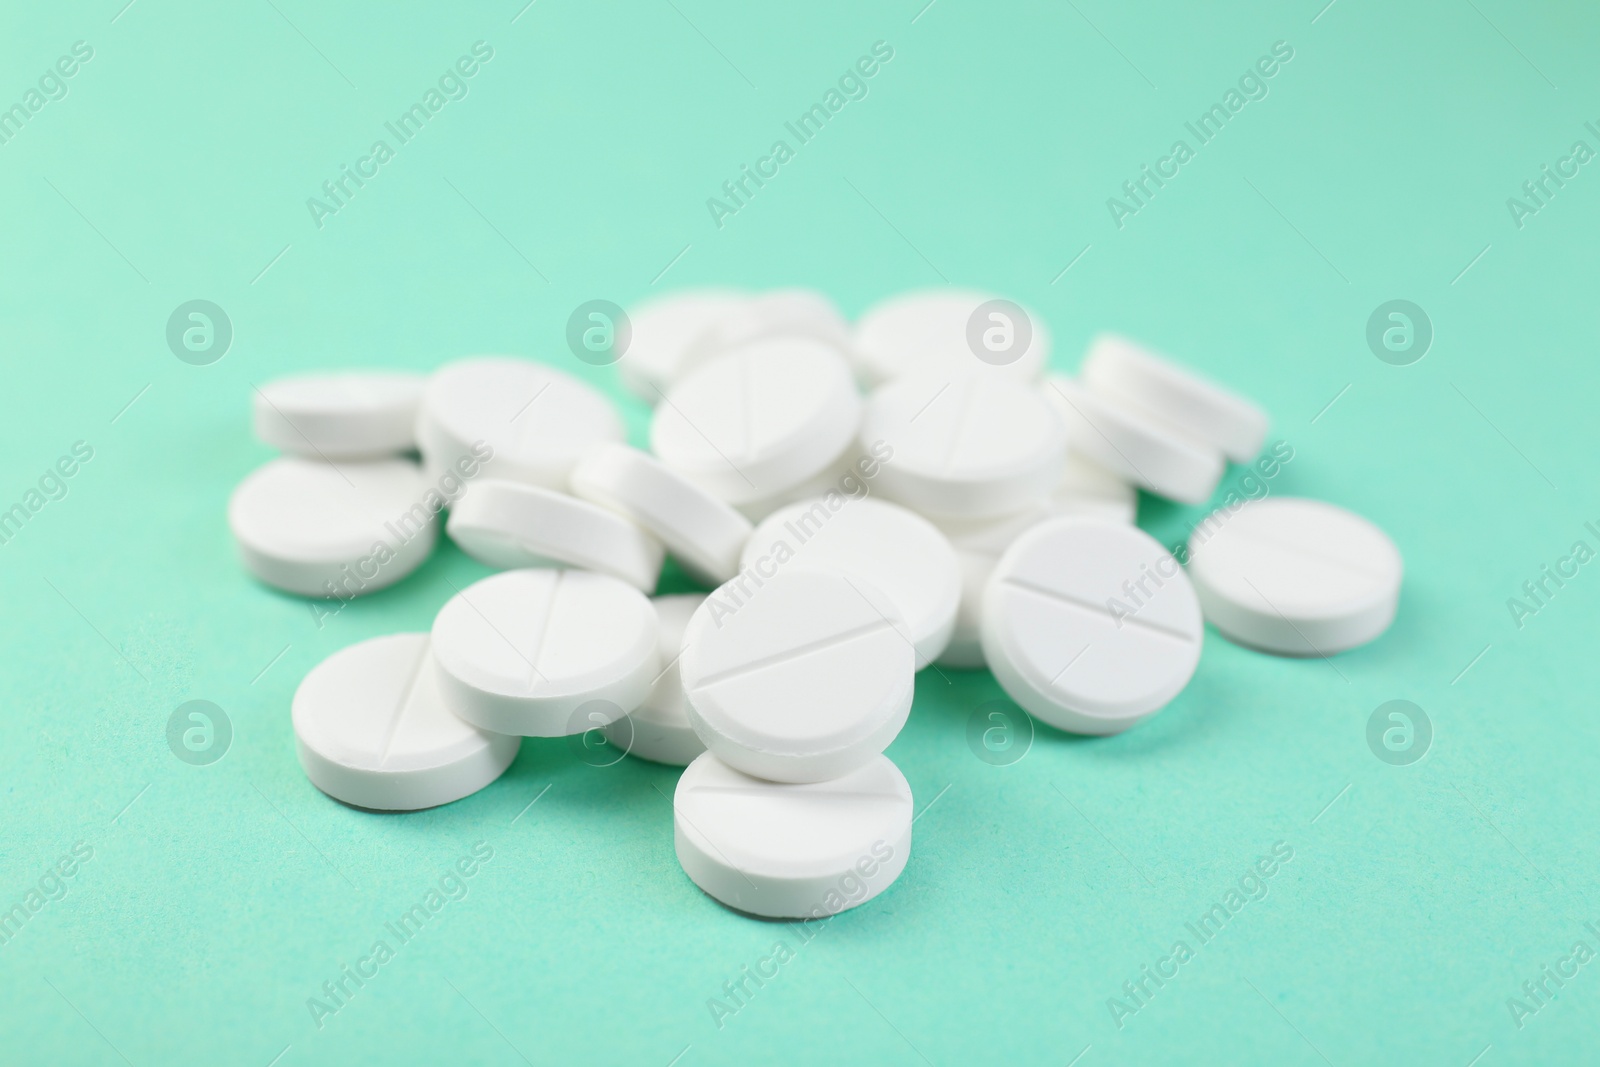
(804, 678)
(1091, 625)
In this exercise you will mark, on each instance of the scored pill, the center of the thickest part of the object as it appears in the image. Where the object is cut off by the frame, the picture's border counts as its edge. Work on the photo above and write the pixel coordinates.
(806, 677)
(372, 730)
(1296, 577)
(759, 420)
(523, 652)
(1090, 625)
(964, 444)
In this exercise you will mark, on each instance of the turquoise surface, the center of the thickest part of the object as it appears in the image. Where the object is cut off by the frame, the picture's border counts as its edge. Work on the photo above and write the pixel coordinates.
(207, 905)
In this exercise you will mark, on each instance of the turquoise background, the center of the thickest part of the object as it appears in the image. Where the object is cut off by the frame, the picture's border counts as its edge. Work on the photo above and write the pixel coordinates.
(219, 898)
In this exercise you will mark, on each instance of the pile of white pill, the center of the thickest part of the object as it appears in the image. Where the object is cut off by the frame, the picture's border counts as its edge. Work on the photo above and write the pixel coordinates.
(860, 502)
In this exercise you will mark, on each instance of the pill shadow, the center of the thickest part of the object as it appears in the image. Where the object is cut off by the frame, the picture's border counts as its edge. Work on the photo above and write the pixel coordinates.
(1157, 512)
(1411, 638)
(621, 786)
(948, 699)
(1185, 723)
(408, 604)
(674, 580)
(812, 924)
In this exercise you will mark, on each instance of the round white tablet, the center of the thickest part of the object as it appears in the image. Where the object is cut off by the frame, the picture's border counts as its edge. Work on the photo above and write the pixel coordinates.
(948, 330)
(759, 420)
(1121, 370)
(522, 651)
(533, 421)
(658, 730)
(1297, 577)
(662, 332)
(325, 529)
(510, 524)
(1090, 625)
(792, 851)
(881, 544)
(802, 677)
(704, 534)
(345, 415)
(1134, 445)
(965, 444)
(776, 313)
(372, 730)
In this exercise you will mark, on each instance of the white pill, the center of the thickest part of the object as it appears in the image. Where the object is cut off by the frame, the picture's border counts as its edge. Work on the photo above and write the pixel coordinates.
(346, 415)
(1297, 577)
(792, 851)
(324, 529)
(966, 444)
(658, 729)
(524, 652)
(1134, 445)
(759, 420)
(531, 420)
(1090, 625)
(510, 524)
(777, 313)
(662, 331)
(1121, 370)
(372, 730)
(704, 534)
(944, 330)
(801, 678)
(881, 544)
